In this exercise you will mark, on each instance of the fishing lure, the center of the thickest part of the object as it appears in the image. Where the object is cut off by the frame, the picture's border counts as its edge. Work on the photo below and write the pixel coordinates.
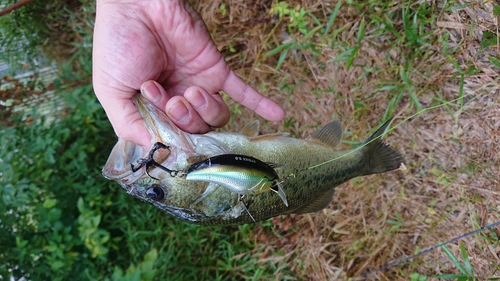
(244, 175)
(241, 174)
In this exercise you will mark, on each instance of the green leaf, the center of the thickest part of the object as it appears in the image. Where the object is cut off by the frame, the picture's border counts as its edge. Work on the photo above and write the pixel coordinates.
(494, 61)
(21, 243)
(151, 256)
(333, 16)
(311, 33)
(454, 260)
(489, 39)
(417, 277)
(361, 31)
(133, 274)
(49, 203)
(496, 10)
(117, 274)
(278, 49)
(57, 265)
(54, 214)
(465, 257)
(81, 205)
(281, 59)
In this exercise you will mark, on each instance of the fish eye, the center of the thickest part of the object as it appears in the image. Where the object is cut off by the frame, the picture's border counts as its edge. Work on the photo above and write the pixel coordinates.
(155, 192)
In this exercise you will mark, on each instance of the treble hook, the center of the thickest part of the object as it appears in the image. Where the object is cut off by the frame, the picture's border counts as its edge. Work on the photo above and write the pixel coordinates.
(150, 162)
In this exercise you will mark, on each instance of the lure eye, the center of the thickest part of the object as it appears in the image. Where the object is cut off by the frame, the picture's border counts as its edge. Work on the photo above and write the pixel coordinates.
(155, 192)
(274, 185)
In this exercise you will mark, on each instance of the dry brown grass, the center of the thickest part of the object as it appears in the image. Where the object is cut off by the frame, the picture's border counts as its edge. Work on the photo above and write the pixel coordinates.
(452, 183)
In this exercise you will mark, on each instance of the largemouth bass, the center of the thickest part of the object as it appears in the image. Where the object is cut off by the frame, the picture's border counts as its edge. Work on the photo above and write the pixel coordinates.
(306, 190)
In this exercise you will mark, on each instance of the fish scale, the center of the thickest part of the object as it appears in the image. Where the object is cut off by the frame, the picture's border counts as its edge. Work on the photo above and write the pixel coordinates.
(307, 190)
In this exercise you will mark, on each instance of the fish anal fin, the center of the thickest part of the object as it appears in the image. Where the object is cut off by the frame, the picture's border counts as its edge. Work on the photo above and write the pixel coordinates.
(330, 134)
(251, 129)
(318, 204)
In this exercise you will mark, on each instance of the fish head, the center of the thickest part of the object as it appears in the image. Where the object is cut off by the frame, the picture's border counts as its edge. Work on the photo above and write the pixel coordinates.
(153, 184)
(126, 154)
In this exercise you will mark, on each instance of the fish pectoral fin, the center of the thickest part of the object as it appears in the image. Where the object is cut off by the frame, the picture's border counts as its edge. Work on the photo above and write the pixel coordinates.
(330, 134)
(251, 129)
(317, 204)
(210, 189)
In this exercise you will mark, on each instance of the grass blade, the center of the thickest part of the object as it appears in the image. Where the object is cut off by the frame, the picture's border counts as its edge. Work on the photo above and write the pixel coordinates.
(278, 49)
(494, 61)
(454, 260)
(282, 58)
(332, 18)
(465, 257)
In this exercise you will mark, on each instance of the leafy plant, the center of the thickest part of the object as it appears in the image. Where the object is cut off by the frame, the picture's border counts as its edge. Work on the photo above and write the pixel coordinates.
(38, 33)
(297, 17)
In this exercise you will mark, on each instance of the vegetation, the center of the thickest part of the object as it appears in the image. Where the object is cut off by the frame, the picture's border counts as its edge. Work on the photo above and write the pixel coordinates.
(358, 61)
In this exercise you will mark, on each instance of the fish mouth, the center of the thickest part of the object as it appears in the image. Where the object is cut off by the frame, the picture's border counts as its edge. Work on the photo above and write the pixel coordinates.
(126, 154)
(118, 164)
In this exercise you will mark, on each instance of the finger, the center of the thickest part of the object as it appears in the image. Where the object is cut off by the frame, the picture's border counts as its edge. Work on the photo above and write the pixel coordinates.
(155, 93)
(247, 96)
(210, 107)
(124, 117)
(180, 111)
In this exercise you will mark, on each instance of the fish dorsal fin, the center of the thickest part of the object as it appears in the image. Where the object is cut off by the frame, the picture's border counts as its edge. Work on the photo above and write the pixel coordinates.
(319, 203)
(251, 129)
(330, 134)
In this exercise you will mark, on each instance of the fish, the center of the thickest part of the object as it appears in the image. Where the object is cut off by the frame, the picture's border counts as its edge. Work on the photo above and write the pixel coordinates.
(304, 168)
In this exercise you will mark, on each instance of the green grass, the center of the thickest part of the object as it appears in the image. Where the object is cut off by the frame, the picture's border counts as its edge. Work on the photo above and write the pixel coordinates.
(465, 267)
(60, 219)
(107, 234)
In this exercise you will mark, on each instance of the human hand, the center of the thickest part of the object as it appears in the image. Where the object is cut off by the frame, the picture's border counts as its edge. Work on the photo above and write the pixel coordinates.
(165, 41)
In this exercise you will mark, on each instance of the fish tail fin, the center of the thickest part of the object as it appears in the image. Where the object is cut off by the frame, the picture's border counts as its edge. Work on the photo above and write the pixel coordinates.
(379, 156)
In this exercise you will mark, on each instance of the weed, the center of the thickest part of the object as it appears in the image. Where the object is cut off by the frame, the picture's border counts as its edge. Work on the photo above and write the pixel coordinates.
(467, 273)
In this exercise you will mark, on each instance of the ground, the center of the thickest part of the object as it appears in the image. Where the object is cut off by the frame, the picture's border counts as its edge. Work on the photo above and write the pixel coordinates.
(362, 63)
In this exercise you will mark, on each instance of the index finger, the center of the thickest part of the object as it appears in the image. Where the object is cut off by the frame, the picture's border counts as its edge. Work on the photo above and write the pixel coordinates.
(241, 92)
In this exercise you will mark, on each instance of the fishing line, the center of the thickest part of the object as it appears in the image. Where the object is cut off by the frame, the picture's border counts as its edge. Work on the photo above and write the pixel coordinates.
(292, 175)
(402, 260)
(392, 129)
(406, 259)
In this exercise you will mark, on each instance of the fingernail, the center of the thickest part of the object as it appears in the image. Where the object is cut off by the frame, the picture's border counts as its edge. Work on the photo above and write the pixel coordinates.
(151, 91)
(197, 99)
(179, 111)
